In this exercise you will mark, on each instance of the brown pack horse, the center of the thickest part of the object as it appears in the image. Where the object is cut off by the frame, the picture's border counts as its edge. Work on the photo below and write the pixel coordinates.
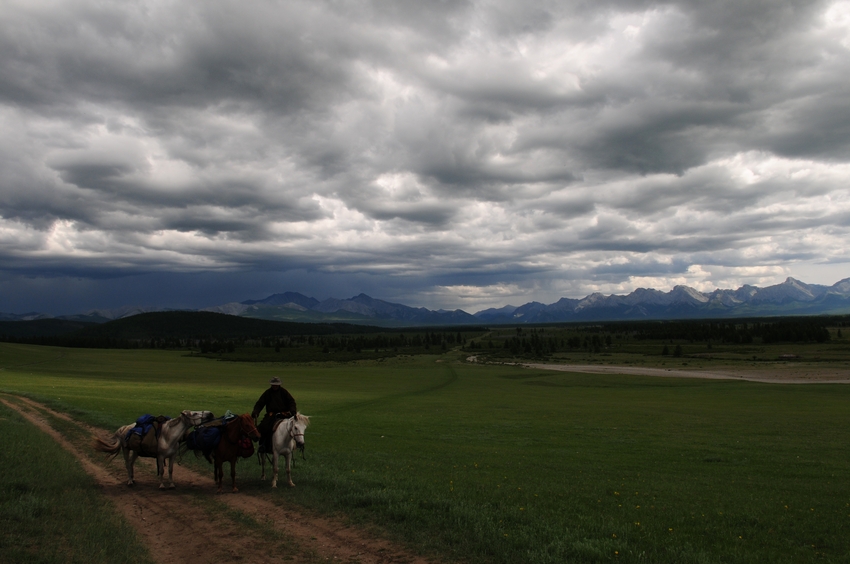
(228, 448)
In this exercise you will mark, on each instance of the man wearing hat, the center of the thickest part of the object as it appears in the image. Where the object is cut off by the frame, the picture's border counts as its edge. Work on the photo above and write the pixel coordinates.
(279, 404)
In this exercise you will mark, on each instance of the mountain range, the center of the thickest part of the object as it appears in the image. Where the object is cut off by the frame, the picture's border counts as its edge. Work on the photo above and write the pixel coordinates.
(791, 297)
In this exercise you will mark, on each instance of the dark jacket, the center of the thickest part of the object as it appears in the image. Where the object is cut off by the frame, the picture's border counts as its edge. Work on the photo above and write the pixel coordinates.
(275, 401)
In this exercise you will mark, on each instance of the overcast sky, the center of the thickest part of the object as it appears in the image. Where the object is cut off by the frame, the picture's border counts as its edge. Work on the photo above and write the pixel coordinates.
(439, 154)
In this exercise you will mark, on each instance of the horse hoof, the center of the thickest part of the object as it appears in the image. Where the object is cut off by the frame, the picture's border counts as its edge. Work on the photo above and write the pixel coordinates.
(162, 486)
(291, 485)
(235, 490)
(274, 486)
(171, 487)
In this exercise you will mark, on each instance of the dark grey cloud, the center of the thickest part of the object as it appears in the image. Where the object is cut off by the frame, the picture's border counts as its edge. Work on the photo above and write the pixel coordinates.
(449, 154)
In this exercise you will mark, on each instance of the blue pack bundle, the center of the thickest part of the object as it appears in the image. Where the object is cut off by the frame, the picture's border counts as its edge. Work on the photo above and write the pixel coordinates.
(204, 438)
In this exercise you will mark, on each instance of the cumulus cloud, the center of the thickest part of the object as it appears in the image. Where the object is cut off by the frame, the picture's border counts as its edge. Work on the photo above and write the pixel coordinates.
(447, 155)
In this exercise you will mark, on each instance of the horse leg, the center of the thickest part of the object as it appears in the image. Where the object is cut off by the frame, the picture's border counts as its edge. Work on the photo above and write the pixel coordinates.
(219, 473)
(262, 464)
(171, 472)
(288, 455)
(233, 474)
(129, 461)
(167, 462)
(275, 457)
(126, 454)
(160, 470)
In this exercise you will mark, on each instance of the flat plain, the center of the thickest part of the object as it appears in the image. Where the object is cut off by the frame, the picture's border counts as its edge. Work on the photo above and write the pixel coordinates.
(496, 462)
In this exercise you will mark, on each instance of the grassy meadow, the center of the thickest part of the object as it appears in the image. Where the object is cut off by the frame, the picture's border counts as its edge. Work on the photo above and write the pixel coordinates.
(496, 463)
(51, 511)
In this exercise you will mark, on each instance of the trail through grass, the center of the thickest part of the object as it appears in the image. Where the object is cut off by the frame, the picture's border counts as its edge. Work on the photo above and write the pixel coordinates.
(51, 511)
(500, 463)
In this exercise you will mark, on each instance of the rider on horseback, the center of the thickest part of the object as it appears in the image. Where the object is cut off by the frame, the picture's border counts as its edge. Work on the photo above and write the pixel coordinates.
(279, 404)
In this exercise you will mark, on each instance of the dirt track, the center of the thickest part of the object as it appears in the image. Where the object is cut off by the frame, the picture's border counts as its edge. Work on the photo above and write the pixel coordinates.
(176, 526)
(777, 375)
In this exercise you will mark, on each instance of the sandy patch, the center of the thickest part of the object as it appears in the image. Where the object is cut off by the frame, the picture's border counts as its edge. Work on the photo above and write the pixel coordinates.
(778, 375)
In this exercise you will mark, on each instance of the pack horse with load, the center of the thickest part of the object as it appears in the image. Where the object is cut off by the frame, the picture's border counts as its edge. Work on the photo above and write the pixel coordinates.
(151, 437)
(224, 440)
(219, 440)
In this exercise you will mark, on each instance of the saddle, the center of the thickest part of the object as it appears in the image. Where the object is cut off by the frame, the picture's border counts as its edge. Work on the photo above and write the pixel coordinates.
(277, 423)
(206, 436)
(266, 438)
(142, 438)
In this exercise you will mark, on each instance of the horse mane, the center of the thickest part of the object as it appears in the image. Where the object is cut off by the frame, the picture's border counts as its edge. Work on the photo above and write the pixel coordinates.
(244, 418)
(302, 418)
(185, 414)
(171, 422)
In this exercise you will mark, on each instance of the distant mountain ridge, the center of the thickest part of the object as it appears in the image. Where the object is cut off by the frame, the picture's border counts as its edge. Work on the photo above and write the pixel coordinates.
(791, 297)
(363, 309)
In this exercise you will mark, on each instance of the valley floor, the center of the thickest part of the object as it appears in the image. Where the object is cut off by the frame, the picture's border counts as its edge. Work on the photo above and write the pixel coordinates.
(783, 374)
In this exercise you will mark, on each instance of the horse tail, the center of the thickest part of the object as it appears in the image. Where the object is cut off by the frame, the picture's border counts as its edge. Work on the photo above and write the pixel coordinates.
(111, 446)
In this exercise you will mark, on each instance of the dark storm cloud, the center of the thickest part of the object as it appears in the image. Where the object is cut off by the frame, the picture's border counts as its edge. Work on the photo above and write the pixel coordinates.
(150, 55)
(424, 151)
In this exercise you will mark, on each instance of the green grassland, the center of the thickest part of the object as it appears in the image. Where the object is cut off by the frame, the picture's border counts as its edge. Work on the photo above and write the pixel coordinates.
(695, 343)
(698, 344)
(497, 463)
(51, 511)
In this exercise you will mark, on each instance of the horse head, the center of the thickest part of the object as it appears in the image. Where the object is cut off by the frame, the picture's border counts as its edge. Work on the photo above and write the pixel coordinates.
(247, 426)
(195, 418)
(297, 428)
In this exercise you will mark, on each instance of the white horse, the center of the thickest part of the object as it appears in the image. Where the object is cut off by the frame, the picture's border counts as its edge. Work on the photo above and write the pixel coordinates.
(288, 435)
(171, 434)
(118, 442)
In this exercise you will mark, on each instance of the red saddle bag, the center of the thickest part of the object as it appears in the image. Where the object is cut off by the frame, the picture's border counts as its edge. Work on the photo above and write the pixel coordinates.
(246, 447)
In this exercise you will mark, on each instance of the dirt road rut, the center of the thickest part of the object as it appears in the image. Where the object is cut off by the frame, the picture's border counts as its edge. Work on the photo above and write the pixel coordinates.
(194, 524)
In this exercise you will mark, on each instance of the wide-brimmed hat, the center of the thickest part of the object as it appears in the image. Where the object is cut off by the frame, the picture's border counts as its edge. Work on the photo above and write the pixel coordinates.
(275, 381)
